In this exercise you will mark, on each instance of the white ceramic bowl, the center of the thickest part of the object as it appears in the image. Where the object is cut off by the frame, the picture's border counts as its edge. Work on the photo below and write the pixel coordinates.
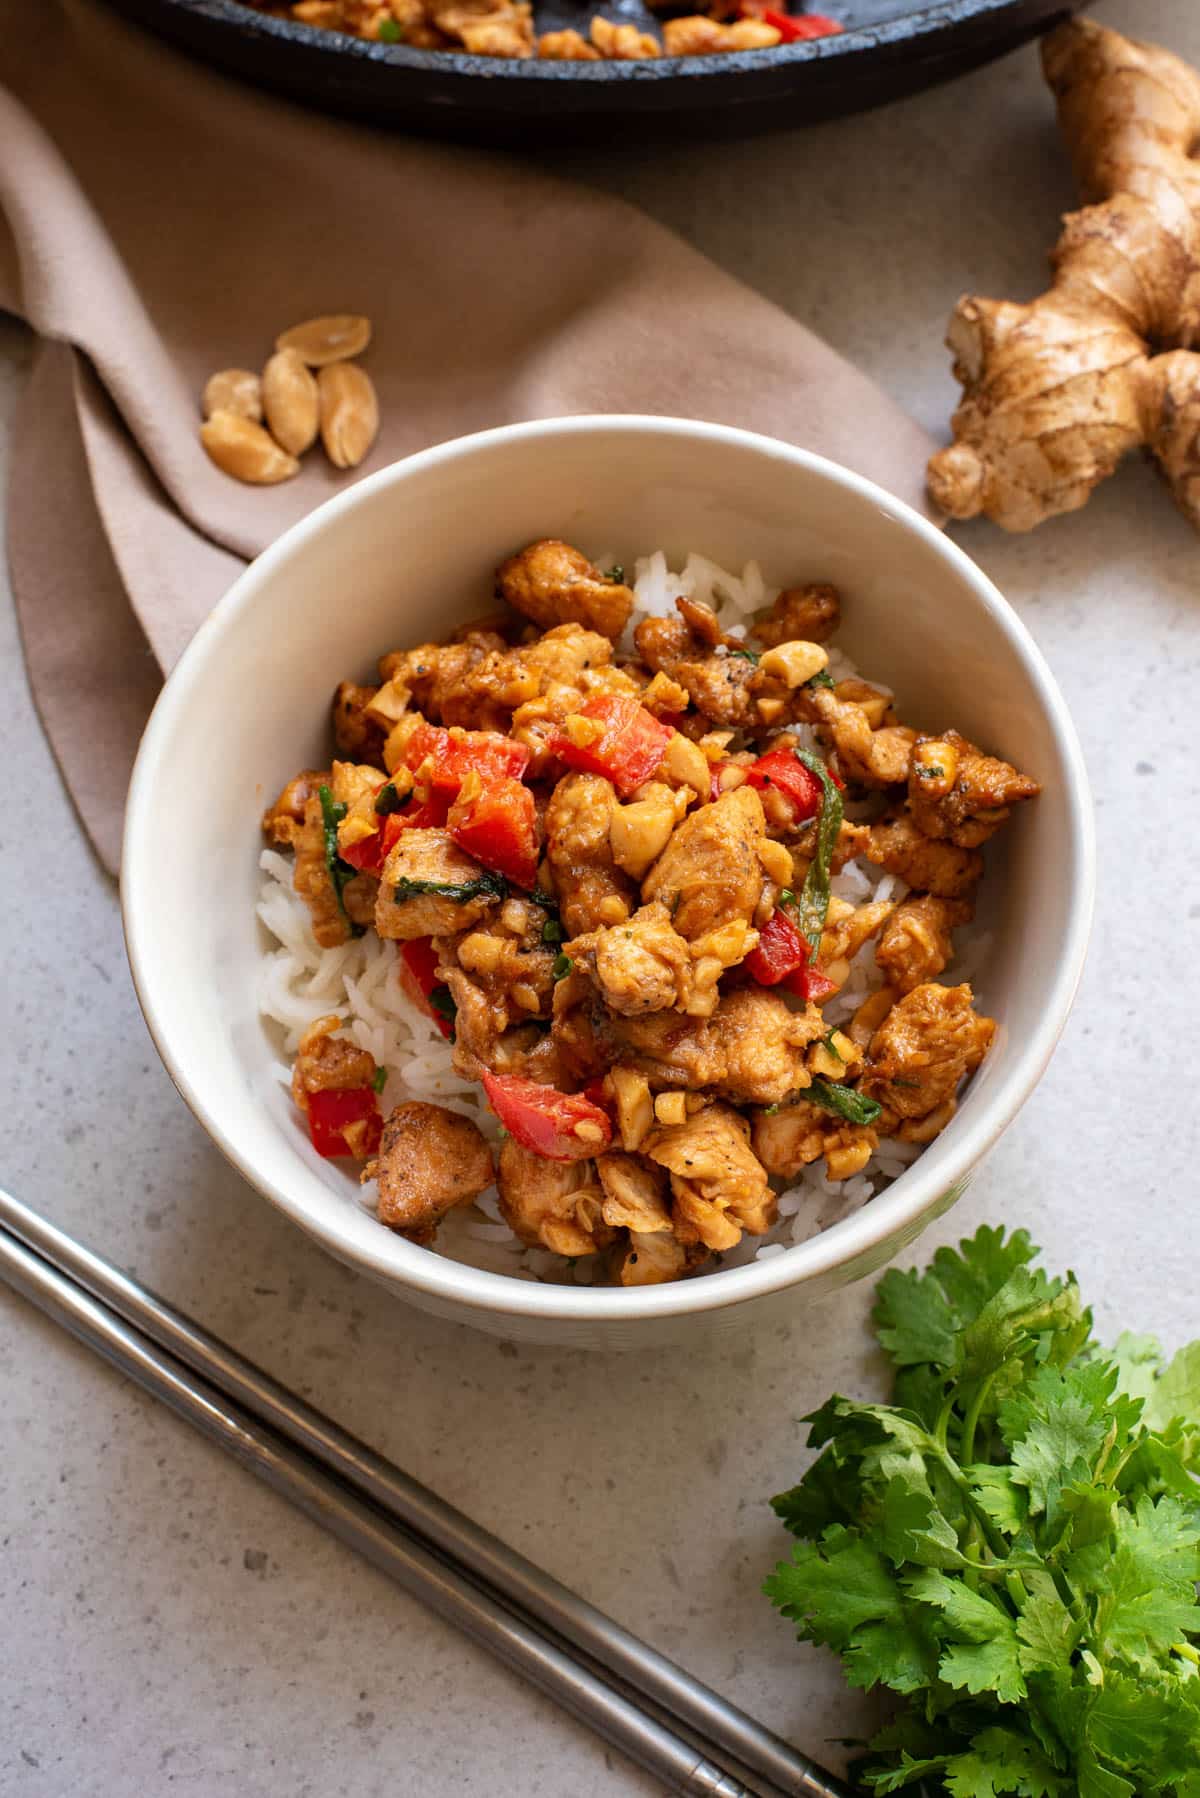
(407, 554)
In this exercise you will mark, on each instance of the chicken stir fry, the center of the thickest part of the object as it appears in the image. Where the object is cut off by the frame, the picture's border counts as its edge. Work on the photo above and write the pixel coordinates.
(609, 876)
(506, 28)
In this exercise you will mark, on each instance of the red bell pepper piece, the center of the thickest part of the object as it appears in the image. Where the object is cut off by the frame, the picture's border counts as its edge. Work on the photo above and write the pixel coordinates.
(453, 754)
(498, 826)
(546, 1122)
(810, 983)
(786, 773)
(333, 1114)
(781, 958)
(632, 746)
(780, 950)
(418, 972)
(792, 31)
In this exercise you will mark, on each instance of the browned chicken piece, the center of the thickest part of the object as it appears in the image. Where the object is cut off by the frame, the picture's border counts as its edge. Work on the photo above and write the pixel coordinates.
(580, 1032)
(624, 43)
(508, 33)
(718, 680)
(284, 817)
(500, 975)
(915, 944)
(874, 756)
(429, 1161)
(554, 1205)
(752, 1050)
(554, 584)
(653, 1260)
(485, 27)
(424, 859)
(929, 1041)
(719, 1186)
(710, 873)
(592, 893)
(634, 1193)
(698, 36)
(788, 1140)
(505, 683)
(438, 675)
(331, 919)
(639, 966)
(764, 1044)
(957, 792)
(852, 840)
(328, 1062)
(565, 46)
(848, 927)
(354, 734)
(931, 867)
(811, 614)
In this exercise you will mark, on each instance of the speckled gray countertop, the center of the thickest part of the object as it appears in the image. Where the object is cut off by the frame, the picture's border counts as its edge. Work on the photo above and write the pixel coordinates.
(169, 1623)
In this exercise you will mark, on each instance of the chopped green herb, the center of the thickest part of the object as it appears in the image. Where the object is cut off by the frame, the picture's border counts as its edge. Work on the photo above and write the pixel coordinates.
(843, 1101)
(340, 872)
(562, 966)
(930, 771)
(770, 1110)
(822, 678)
(813, 903)
(547, 901)
(379, 1079)
(442, 1001)
(486, 885)
(552, 931)
(735, 649)
(616, 574)
(787, 897)
(387, 799)
(832, 1046)
(390, 31)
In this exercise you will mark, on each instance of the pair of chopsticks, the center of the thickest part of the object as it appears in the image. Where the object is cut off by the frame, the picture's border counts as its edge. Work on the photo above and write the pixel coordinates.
(680, 1730)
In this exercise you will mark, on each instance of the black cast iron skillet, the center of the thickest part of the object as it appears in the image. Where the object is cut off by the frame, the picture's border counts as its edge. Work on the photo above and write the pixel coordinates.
(889, 48)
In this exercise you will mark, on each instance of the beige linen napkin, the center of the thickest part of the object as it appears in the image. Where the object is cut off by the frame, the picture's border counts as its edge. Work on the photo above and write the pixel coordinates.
(158, 221)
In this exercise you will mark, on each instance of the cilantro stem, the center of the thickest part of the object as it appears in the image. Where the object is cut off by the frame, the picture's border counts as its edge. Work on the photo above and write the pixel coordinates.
(971, 1420)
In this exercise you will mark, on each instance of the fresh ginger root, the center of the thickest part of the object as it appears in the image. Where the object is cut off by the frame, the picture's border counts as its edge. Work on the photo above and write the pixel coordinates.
(1057, 391)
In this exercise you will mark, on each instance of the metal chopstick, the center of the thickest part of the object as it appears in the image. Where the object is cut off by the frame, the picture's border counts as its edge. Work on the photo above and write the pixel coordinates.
(639, 1667)
(294, 1474)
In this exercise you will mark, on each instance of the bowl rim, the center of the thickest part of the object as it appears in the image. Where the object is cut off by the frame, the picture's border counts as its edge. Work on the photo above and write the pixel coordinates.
(897, 1213)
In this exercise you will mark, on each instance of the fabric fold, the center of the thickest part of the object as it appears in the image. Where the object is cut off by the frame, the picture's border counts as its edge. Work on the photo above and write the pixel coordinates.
(165, 222)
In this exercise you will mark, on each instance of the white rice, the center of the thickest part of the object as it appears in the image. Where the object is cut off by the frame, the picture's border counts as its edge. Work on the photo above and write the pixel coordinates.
(358, 982)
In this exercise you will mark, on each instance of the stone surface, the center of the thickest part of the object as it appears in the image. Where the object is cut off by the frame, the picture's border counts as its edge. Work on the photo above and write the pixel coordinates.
(169, 1623)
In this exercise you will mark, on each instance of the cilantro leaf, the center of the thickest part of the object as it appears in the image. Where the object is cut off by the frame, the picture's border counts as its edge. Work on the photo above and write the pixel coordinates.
(980, 1637)
(844, 1594)
(1138, 1360)
(1003, 1762)
(1176, 1398)
(918, 1317)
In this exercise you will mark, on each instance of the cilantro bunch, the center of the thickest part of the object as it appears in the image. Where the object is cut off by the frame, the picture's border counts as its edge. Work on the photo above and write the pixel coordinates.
(1013, 1543)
